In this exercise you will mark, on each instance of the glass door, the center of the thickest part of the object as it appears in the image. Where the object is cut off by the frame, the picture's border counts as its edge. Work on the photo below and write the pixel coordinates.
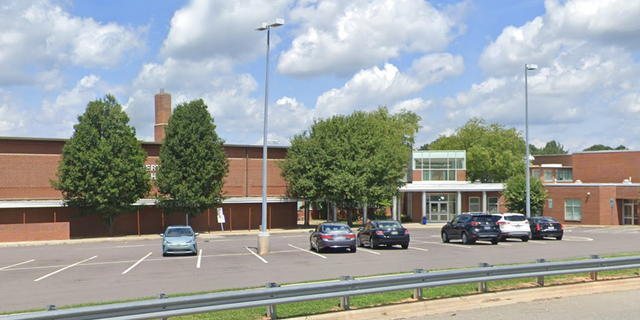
(629, 212)
(439, 211)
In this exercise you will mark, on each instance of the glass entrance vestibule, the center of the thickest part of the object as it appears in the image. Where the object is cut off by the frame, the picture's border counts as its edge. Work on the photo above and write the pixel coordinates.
(440, 207)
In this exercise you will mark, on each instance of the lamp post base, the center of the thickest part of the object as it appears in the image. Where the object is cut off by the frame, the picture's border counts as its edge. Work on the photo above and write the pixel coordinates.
(264, 243)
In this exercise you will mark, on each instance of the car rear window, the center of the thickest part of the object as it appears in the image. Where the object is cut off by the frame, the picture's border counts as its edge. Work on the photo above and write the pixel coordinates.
(391, 224)
(483, 219)
(548, 220)
(515, 218)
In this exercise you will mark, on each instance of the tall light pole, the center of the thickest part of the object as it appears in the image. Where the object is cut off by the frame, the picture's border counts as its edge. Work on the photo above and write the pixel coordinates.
(263, 237)
(527, 67)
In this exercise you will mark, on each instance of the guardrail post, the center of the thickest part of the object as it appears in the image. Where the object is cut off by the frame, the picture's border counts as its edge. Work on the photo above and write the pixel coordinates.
(344, 301)
(271, 309)
(417, 293)
(594, 274)
(541, 278)
(482, 286)
(162, 296)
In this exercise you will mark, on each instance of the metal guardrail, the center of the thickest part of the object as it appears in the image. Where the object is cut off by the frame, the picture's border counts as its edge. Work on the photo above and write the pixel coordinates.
(273, 294)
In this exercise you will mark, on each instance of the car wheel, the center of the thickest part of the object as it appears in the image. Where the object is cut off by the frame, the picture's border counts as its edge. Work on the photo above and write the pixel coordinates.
(494, 241)
(525, 239)
(465, 238)
(445, 237)
(353, 249)
(318, 249)
(374, 243)
(559, 238)
(405, 246)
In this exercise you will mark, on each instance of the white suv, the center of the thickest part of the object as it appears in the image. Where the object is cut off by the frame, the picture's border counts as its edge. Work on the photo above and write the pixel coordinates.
(513, 225)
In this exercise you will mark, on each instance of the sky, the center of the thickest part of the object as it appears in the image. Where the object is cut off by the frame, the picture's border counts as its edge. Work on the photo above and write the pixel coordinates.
(447, 61)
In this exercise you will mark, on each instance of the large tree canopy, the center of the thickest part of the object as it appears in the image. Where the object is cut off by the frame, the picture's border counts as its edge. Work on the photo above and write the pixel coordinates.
(551, 148)
(351, 160)
(494, 153)
(102, 167)
(193, 162)
(601, 147)
(515, 193)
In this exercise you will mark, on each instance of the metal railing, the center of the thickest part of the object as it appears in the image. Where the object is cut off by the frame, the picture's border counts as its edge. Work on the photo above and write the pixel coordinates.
(273, 294)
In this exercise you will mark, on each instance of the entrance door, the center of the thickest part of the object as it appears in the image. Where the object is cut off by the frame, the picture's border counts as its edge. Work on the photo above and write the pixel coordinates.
(629, 213)
(439, 211)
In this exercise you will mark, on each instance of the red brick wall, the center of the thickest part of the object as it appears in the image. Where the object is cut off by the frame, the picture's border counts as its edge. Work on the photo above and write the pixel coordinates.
(606, 167)
(34, 232)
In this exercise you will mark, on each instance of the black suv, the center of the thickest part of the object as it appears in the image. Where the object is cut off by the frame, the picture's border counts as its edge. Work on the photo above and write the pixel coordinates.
(470, 227)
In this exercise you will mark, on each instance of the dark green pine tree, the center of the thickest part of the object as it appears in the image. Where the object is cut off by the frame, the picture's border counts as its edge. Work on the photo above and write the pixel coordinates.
(193, 162)
(102, 167)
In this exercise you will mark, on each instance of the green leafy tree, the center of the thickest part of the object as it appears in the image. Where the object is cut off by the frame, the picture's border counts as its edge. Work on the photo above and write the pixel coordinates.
(351, 160)
(601, 147)
(515, 193)
(193, 162)
(552, 147)
(494, 153)
(102, 167)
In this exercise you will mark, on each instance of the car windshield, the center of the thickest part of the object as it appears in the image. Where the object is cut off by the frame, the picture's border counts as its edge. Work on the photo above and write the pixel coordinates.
(390, 224)
(179, 232)
(515, 218)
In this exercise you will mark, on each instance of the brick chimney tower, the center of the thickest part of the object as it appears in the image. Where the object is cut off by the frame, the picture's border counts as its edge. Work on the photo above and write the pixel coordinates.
(163, 112)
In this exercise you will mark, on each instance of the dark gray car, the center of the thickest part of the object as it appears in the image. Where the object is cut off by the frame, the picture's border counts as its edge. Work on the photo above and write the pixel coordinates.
(332, 235)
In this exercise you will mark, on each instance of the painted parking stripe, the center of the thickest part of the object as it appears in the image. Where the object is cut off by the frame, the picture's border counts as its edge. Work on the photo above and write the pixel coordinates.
(421, 249)
(308, 251)
(18, 264)
(65, 268)
(457, 245)
(369, 251)
(256, 255)
(199, 259)
(137, 263)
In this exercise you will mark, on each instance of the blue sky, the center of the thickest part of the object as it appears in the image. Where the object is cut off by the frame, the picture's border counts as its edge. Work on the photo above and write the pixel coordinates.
(447, 61)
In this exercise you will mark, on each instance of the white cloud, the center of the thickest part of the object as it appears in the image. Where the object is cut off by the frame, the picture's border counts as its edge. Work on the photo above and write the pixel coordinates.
(62, 113)
(41, 34)
(13, 121)
(341, 37)
(205, 29)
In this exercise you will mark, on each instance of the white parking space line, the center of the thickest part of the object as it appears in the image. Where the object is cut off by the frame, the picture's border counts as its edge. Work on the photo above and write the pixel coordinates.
(256, 255)
(137, 263)
(421, 249)
(537, 242)
(369, 251)
(445, 244)
(65, 268)
(199, 259)
(308, 251)
(18, 264)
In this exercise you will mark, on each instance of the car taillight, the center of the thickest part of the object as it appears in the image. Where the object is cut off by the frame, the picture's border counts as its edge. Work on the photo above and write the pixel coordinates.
(538, 226)
(501, 222)
(526, 222)
(406, 232)
(351, 236)
(561, 226)
(380, 233)
(326, 236)
(475, 223)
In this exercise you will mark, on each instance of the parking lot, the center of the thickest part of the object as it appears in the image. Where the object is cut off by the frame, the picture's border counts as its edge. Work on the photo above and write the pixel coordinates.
(117, 269)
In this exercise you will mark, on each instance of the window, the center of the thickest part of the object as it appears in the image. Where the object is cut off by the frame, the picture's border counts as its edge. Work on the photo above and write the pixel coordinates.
(564, 175)
(474, 204)
(493, 205)
(548, 175)
(535, 173)
(572, 210)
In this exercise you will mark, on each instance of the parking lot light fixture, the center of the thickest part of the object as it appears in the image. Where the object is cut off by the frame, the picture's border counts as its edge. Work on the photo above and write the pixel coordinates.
(527, 67)
(263, 236)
